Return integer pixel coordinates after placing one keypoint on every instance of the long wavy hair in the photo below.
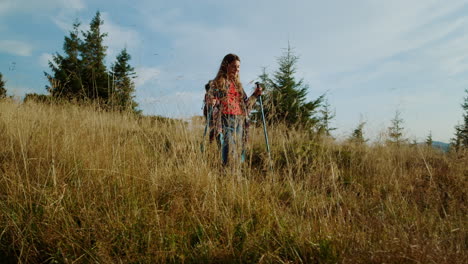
(220, 81)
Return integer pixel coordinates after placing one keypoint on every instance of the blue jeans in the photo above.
(231, 140)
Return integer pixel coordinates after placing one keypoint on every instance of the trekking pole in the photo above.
(265, 129)
(207, 125)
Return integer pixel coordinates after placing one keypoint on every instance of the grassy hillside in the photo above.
(79, 186)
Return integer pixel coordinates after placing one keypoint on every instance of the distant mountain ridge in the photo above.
(441, 145)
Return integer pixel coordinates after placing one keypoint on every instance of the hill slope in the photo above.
(83, 185)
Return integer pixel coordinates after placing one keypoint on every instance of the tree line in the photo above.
(285, 102)
(80, 74)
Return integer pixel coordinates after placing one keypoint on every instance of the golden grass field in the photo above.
(79, 185)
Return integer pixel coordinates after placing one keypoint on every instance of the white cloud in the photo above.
(444, 57)
(456, 64)
(378, 31)
(329, 38)
(146, 75)
(16, 47)
(63, 22)
(175, 105)
(44, 59)
(194, 39)
(119, 37)
(450, 56)
(18, 91)
(150, 100)
(6, 6)
(72, 4)
(28, 6)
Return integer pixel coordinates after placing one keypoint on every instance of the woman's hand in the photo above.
(258, 90)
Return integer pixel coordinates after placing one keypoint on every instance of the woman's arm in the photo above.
(250, 102)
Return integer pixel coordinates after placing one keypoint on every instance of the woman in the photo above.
(230, 108)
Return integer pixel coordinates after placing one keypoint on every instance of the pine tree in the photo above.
(2, 87)
(81, 73)
(464, 129)
(265, 82)
(286, 100)
(461, 130)
(95, 77)
(429, 139)
(456, 142)
(66, 79)
(395, 131)
(123, 86)
(358, 134)
(326, 117)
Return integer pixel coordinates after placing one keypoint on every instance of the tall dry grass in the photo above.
(79, 185)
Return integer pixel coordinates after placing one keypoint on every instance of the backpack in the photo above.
(209, 114)
(205, 105)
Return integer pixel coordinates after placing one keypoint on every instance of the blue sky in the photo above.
(371, 57)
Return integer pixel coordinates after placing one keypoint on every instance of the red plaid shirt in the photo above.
(232, 103)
